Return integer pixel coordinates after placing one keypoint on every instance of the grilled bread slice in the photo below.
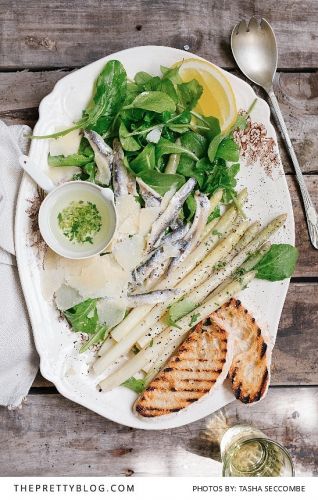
(249, 371)
(200, 361)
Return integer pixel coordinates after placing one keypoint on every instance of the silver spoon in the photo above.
(255, 52)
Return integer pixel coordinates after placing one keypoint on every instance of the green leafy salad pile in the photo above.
(164, 140)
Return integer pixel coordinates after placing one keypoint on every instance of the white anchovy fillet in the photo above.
(103, 155)
(123, 182)
(177, 234)
(149, 195)
(155, 260)
(192, 237)
(154, 297)
(170, 213)
(154, 276)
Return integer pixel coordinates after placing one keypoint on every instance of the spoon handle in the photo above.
(311, 214)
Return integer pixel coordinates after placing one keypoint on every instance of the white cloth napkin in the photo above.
(18, 358)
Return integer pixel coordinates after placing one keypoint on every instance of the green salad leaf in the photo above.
(83, 317)
(135, 384)
(108, 97)
(75, 160)
(228, 150)
(161, 182)
(153, 101)
(180, 309)
(165, 147)
(128, 142)
(278, 263)
(99, 336)
(146, 160)
(189, 93)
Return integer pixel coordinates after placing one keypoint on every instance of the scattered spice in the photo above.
(256, 146)
(36, 239)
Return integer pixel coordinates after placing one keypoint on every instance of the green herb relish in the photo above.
(80, 221)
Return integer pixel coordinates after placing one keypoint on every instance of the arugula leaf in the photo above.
(83, 317)
(85, 148)
(146, 160)
(89, 171)
(153, 101)
(74, 160)
(228, 150)
(222, 177)
(213, 147)
(181, 118)
(214, 126)
(278, 263)
(142, 77)
(135, 384)
(194, 142)
(180, 309)
(194, 318)
(165, 147)
(109, 95)
(171, 74)
(128, 142)
(167, 87)
(188, 168)
(99, 336)
(189, 207)
(189, 93)
(161, 182)
(215, 214)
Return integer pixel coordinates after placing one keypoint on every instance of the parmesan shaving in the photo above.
(147, 216)
(128, 210)
(67, 297)
(111, 312)
(129, 252)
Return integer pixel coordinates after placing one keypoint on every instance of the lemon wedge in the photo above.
(218, 98)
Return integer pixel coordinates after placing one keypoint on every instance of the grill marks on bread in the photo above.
(249, 371)
(189, 374)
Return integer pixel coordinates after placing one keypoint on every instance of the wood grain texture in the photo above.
(21, 93)
(294, 357)
(38, 34)
(61, 438)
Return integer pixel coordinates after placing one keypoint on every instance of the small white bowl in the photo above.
(60, 197)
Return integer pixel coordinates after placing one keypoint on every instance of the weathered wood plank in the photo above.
(21, 93)
(60, 438)
(37, 34)
(307, 265)
(294, 358)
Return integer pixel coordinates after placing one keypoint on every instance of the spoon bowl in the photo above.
(255, 51)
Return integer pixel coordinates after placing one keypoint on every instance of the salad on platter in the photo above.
(158, 306)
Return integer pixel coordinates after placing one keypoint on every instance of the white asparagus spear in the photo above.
(149, 327)
(174, 336)
(223, 225)
(107, 345)
(196, 276)
(198, 294)
(248, 265)
(154, 366)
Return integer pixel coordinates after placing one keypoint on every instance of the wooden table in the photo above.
(43, 41)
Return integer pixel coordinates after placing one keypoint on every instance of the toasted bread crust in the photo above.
(249, 371)
(189, 374)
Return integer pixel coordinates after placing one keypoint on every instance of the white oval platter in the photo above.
(56, 345)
